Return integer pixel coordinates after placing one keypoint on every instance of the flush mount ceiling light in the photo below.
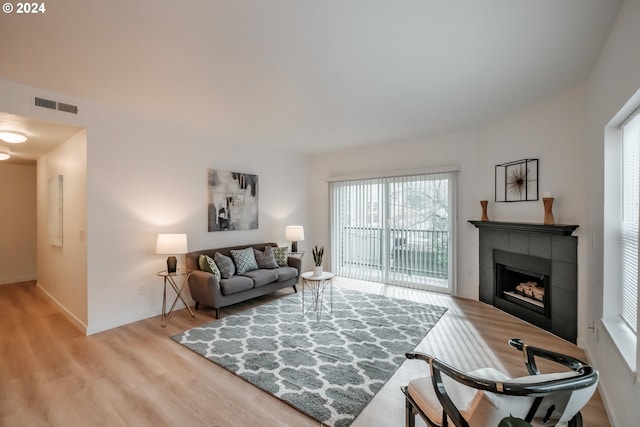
(12, 137)
(4, 155)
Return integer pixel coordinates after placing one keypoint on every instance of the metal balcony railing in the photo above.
(411, 252)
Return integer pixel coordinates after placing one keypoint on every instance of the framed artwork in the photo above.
(517, 181)
(54, 211)
(233, 201)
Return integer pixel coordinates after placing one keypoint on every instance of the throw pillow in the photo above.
(245, 260)
(266, 259)
(225, 264)
(281, 253)
(208, 264)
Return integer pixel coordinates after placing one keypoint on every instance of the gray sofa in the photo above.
(207, 290)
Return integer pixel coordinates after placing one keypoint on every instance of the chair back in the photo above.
(484, 397)
(550, 408)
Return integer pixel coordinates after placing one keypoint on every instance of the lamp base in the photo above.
(294, 247)
(172, 263)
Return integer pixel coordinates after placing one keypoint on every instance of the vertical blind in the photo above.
(395, 230)
(630, 218)
(356, 228)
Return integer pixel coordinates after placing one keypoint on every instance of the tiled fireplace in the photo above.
(530, 271)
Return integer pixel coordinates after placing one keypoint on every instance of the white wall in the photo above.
(17, 223)
(551, 131)
(613, 81)
(62, 271)
(146, 176)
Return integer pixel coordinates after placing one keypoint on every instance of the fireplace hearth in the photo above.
(530, 271)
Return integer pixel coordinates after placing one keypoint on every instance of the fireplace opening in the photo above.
(524, 288)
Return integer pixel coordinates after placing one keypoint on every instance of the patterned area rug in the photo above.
(328, 369)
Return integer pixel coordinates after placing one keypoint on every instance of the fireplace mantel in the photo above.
(560, 229)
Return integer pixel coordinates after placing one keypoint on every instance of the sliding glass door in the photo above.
(396, 230)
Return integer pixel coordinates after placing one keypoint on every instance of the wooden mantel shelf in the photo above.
(561, 229)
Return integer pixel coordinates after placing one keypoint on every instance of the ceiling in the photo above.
(42, 137)
(309, 75)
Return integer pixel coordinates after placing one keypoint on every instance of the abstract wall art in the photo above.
(233, 200)
(517, 181)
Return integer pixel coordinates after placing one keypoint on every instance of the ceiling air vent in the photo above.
(60, 106)
(46, 103)
(68, 108)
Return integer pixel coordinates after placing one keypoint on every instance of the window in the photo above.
(396, 229)
(630, 132)
(622, 231)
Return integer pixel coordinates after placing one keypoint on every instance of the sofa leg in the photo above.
(294, 289)
(217, 313)
(197, 305)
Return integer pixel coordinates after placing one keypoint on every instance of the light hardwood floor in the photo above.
(134, 375)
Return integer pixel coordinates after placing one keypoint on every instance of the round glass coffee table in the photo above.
(317, 287)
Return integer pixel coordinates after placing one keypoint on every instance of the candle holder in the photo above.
(548, 211)
(485, 217)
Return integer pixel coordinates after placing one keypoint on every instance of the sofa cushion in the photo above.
(235, 284)
(207, 264)
(281, 253)
(225, 264)
(266, 259)
(245, 260)
(286, 273)
(261, 277)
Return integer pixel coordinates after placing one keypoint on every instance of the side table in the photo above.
(171, 279)
(317, 286)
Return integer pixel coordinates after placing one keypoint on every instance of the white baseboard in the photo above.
(8, 280)
(112, 323)
(602, 390)
(124, 320)
(69, 315)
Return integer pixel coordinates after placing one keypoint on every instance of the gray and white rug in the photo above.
(328, 369)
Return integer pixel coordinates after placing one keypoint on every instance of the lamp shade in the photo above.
(294, 233)
(171, 244)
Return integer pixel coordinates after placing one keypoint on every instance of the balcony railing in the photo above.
(411, 252)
